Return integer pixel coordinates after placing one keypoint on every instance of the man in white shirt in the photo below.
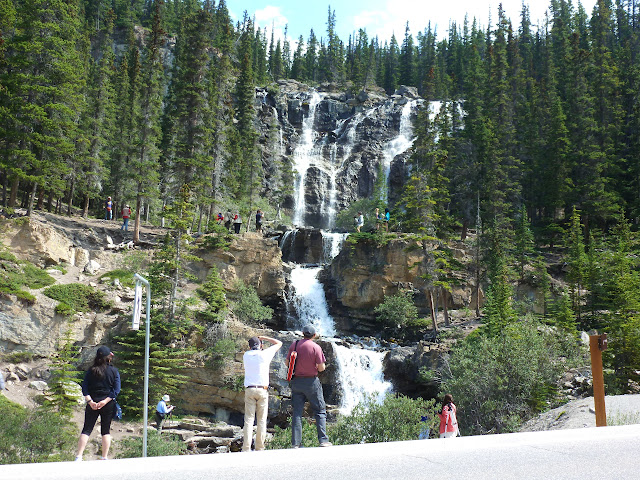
(256, 383)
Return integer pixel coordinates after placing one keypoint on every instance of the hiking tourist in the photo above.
(448, 419)
(237, 223)
(259, 217)
(256, 383)
(305, 385)
(126, 213)
(100, 387)
(162, 410)
(108, 209)
(360, 222)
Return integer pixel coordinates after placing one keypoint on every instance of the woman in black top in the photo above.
(100, 387)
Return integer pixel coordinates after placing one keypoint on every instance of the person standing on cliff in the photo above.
(259, 218)
(256, 363)
(126, 213)
(108, 209)
(237, 223)
(305, 385)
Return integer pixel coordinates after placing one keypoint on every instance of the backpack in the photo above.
(292, 362)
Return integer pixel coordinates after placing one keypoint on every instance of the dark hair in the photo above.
(100, 364)
(448, 399)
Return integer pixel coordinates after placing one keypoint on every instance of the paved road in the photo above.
(580, 454)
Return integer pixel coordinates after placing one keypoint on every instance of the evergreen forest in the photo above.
(536, 149)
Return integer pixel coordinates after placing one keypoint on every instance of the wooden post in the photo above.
(596, 347)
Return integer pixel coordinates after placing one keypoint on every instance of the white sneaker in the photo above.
(78, 459)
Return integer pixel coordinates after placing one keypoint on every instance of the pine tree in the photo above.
(44, 52)
(145, 160)
(165, 365)
(64, 376)
(577, 262)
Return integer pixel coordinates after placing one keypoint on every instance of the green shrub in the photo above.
(248, 306)
(15, 274)
(19, 357)
(499, 382)
(125, 276)
(25, 297)
(157, 446)
(34, 435)
(77, 297)
(282, 436)
(397, 418)
(397, 310)
(222, 351)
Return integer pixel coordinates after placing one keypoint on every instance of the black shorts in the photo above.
(106, 415)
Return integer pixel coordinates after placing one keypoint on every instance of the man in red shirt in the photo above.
(305, 385)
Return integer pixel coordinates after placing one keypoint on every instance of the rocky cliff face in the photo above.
(362, 275)
(336, 143)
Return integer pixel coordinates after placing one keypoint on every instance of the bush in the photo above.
(397, 418)
(157, 446)
(499, 382)
(125, 276)
(19, 357)
(222, 351)
(15, 274)
(248, 306)
(77, 297)
(282, 436)
(398, 310)
(34, 435)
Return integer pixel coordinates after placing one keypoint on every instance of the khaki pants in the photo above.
(256, 402)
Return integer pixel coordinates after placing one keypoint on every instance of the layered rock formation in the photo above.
(345, 151)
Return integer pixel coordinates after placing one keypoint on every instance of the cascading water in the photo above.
(310, 302)
(305, 156)
(332, 244)
(356, 363)
(400, 144)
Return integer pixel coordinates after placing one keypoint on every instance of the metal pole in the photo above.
(145, 411)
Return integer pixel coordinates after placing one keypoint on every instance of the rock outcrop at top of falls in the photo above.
(339, 153)
(363, 274)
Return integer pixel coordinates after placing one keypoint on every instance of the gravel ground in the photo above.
(621, 410)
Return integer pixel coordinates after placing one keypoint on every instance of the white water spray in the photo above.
(361, 376)
(304, 157)
(310, 302)
(400, 144)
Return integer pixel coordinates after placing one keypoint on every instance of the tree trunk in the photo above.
(72, 190)
(50, 201)
(445, 308)
(41, 199)
(13, 196)
(85, 208)
(136, 226)
(32, 197)
(434, 319)
(5, 185)
(174, 287)
(200, 215)
(465, 228)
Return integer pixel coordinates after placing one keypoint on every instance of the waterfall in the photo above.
(304, 157)
(310, 302)
(361, 376)
(400, 144)
(332, 244)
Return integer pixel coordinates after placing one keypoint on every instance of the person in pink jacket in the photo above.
(448, 419)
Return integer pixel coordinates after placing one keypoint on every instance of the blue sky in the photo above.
(379, 17)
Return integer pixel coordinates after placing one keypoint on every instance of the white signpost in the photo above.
(135, 324)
